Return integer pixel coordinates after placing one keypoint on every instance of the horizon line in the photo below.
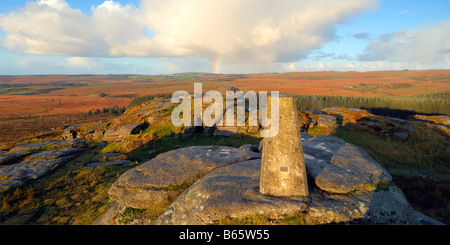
(208, 73)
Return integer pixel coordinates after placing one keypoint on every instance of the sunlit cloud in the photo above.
(240, 31)
(422, 46)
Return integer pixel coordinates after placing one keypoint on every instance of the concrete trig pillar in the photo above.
(283, 171)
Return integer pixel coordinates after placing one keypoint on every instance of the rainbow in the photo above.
(217, 64)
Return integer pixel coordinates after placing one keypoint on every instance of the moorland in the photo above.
(30, 105)
(41, 107)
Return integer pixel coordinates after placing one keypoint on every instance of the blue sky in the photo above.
(170, 36)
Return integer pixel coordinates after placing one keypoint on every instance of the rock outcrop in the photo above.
(14, 157)
(204, 184)
(51, 144)
(438, 119)
(150, 112)
(328, 120)
(231, 191)
(340, 167)
(441, 122)
(32, 147)
(121, 133)
(104, 159)
(70, 133)
(160, 180)
(112, 162)
(21, 164)
(345, 186)
(318, 121)
(349, 115)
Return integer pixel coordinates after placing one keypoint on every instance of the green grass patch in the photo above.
(74, 194)
(295, 219)
(160, 130)
(29, 90)
(70, 194)
(171, 143)
(164, 144)
(420, 166)
(145, 216)
(175, 187)
(426, 148)
(21, 91)
(5, 90)
(130, 214)
(112, 147)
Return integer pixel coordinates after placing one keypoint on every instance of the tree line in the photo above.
(435, 103)
(112, 110)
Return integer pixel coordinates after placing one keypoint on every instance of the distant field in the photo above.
(56, 99)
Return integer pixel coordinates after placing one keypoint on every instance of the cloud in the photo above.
(239, 31)
(292, 67)
(82, 62)
(403, 12)
(361, 66)
(51, 27)
(363, 35)
(57, 4)
(424, 45)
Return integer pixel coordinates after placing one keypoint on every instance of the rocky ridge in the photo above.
(161, 179)
(328, 120)
(34, 160)
(345, 184)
